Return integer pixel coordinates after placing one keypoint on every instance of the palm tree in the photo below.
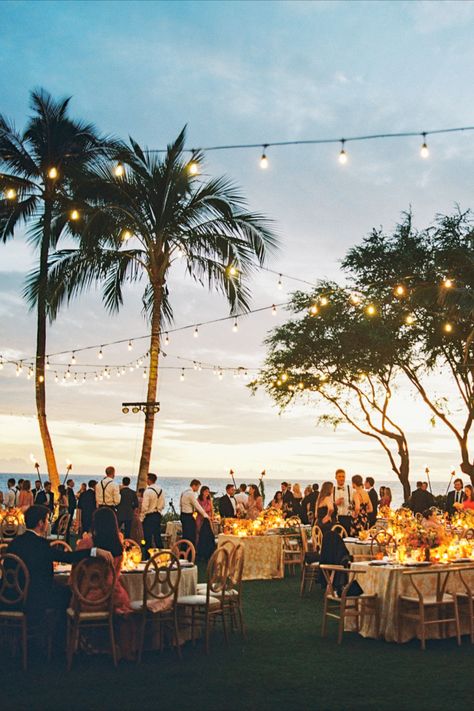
(41, 167)
(168, 211)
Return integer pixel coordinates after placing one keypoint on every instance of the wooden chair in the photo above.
(92, 582)
(381, 542)
(293, 553)
(343, 606)
(233, 592)
(466, 597)
(414, 607)
(160, 594)
(14, 584)
(340, 530)
(3, 548)
(132, 548)
(9, 527)
(309, 570)
(210, 607)
(61, 529)
(61, 544)
(184, 550)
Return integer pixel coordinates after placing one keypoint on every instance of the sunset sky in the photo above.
(239, 72)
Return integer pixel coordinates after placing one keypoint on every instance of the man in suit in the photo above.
(128, 504)
(421, 499)
(71, 505)
(288, 499)
(374, 500)
(342, 495)
(456, 496)
(34, 550)
(87, 505)
(36, 490)
(227, 503)
(46, 497)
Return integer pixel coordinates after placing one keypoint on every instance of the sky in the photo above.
(238, 72)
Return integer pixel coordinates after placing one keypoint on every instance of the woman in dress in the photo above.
(381, 493)
(277, 501)
(325, 511)
(205, 542)
(361, 506)
(386, 500)
(136, 532)
(297, 499)
(468, 502)
(255, 502)
(25, 497)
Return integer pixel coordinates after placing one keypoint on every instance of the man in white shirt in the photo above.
(343, 499)
(153, 504)
(107, 491)
(10, 496)
(189, 504)
(242, 499)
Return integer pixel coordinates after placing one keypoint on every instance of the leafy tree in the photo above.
(136, 225)
(40, 168)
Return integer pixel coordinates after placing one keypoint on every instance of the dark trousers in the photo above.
(189, 527)
(152, 531)
(127, 527)
(346, 521)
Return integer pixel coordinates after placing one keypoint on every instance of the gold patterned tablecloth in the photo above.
(263, 558)
(359, 551)
(389, 582)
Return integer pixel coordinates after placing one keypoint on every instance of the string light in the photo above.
(84, 377)
(56, 379)
(232, 271)
(371, 310)
(10, 194)
(355, 299)
(73, 358)
(193, 167)
(68, 373)
(448, 327)
(448, 283)
(399, 290)
(1, 362)
(126, 235)
(221, 374)
(130, 345)
(53, 173)
(47, 364)
(196, 332)
(167, 339)
(274, 310)
(324, 301)
(410, 319)
(74, 215)
(313, 310)
(41, 379)
(424, 151)
(280, 283)
(181, 377)
(119, 170)
(342, 153)
(144, 374)
(264, 159)
(235, 327)
(284, 377)
(100, 355)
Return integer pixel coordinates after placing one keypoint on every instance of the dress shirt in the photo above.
(10, 498)
(153, 501)
(342, 492)
(107, 492)
(189, 503)
(458, 496)
(242, 501)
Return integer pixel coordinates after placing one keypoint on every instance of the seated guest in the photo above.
(46, 497)
(456, 496)
(277, 501)
(361, 506)
(374, 499)
(205, 537)
(386, 500)
(25, 497)
(34, 550)
(255, 503)
(430, 520)
(297, 499)
(325, 509)
(420, 499)
(227, 503)
(468, 502)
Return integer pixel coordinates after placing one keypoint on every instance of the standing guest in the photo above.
(107, 492)
(342, 500)
(71, 498)
(430, 494)
(374, 500)
(137, 528)
(128, 504)
(297, 499)
(255, 506)
(277, 501)
(19, 487)
(63, 505)
(188, 505)
(287, 498)
(325, 509)
(87, 506)
(304, 505)
(205, 537)
(82, 489)
(420, 499)
(152, 505)
(361, 507)
(25, 497)
(36, 490)
(468, 502)
(10, 496)
(46, 497)
(227, 503)
(308, 505)
(242, 499)
(456, 496)
(387, 497)
(381, 493)
(38, 556)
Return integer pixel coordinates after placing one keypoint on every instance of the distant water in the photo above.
(173, 486)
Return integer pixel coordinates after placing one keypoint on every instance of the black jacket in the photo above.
(87, 506)
(288, 502)
(38, 557)
(374, 500)
(450, 501)
(226, 509)
(41, 500)
(420, 500)
(71, 501)
(128, 503)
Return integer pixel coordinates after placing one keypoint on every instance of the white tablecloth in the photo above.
(173, 532)
(263, 557)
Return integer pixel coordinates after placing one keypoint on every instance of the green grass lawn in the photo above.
(282, 663)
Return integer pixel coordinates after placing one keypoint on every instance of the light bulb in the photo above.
(1, 362)
(264, 160)
(221, 374)
(181, 377)
(68, 373)
(196, 332)
(424, 151)
(96, 378)
(131, 368)
(144, 373)
(56, 379)
(74, 215)
(284, 377)
(232, 271)
(84, 378)
(448, 327)
(193, 167)
(100, 355)
(235, 327)
(313, 310)
(355, 299)
(124, 370)
(342, 154)
(53, 173)
(324, 301)
(73, 359)
(371, 310)
(126, 235)
(167, 340)
(41, 379)
(410, 319)
(10, 194)
(274, 310)
(448, 283)
(47, 364)
(119, 170)
(400, 290)
(280, 283)
(130, 345)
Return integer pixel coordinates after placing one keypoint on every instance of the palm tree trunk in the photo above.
(40, 383)
(152, 388)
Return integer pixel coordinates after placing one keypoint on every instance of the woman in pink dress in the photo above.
(25, 497)
(255, 502)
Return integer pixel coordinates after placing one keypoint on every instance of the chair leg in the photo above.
(303, 581)
(324, 624)
(422, 627)
(24, 643)
(176, 634)
(342, 612)
(112, 640)
(456, 617)
(224, 626)
(193, 639)
(241, 618)
(207, 621)
(141, 638)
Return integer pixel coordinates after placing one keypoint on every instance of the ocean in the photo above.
(173, 486)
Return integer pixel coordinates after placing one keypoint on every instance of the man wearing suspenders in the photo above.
(152, 505)
(107, 492)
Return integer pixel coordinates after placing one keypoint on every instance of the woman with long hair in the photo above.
(325, 511)
(205, 542)
(361, 506)
(25, 497)
(386, 499)
(468, 502)
(297, 499)
(255, 502)
(277, 501)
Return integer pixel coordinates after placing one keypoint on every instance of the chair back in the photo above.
(161, 578)
(442, 578)
(93, 582)
(236, 566)
(9, 526)
(381, 541)
(63, 523)
(61, 544)
(340, 530)
(316, 538)
(3, 548)
(340, 576)
(132, 549)
(14, 581)
(217, 573)
(184, 550)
